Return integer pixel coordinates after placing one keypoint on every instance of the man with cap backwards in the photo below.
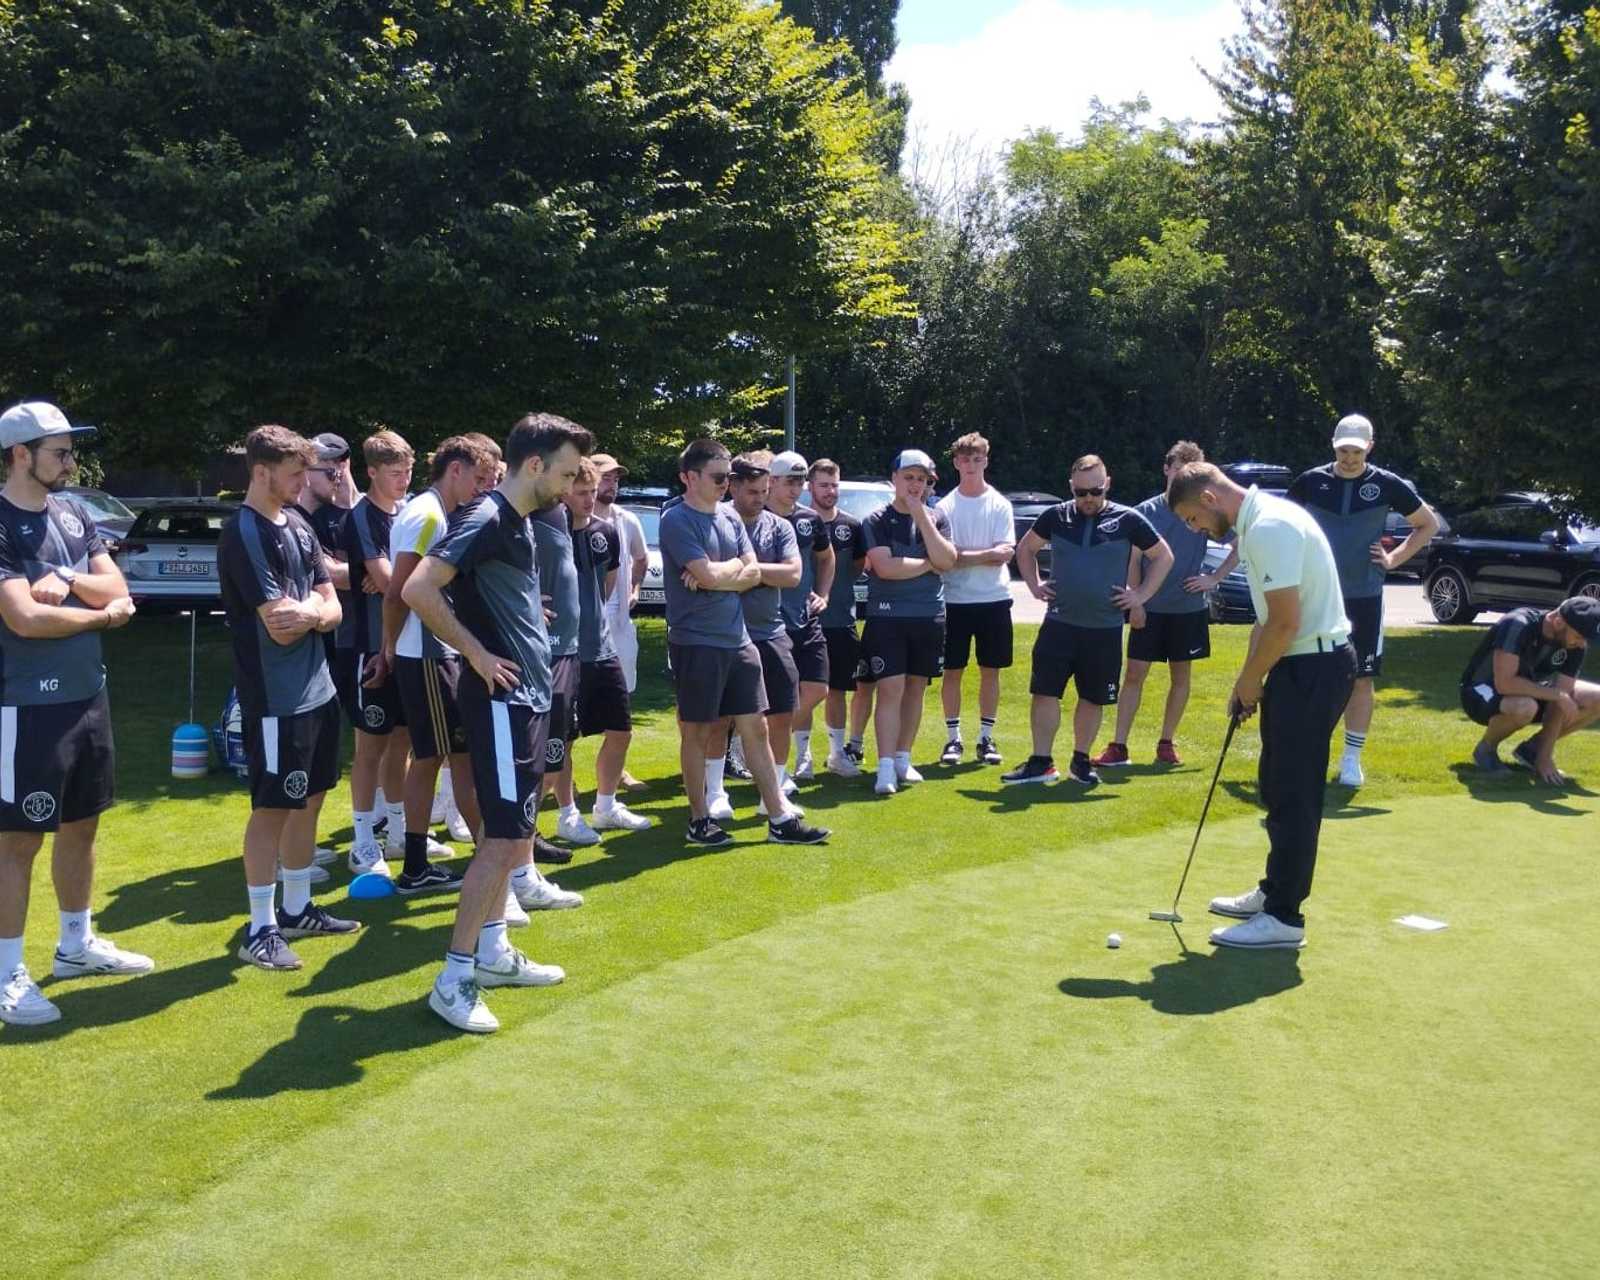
(58, 586)
(1351, 499)
(1299, 671)
(908, 551)
(1092, 541)
(805, 602)
(1526, 672)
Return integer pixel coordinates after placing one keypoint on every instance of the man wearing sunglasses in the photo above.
(1092, 542)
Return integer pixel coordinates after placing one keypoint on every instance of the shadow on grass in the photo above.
(1199, 982)
(1520, 788)
(185, 895)
(1422, 668)
(87, 1004)
(1036, 795)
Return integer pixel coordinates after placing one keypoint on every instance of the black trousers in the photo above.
(1302, 700)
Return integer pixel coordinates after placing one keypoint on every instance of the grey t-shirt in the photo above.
(845, 531)
(711, 618)
(1352, 513)
(772, 538)
(597, 552)
(1089, 559)
(32, 543)
(811, 536)
(558, 577)
(919, 597)
(1188, 558)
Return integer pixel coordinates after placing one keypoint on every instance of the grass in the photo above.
(907, 1053)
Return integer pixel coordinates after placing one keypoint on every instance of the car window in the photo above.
(179, 524)
(102, 505)
(861, 503)
(650, 520)
(1522, 522)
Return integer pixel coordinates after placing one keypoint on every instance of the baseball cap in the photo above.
(913, 458)
(787, 463)
(744, 469)
(1582, 614)
(35, 420)
(330, 448)
(1353, 429)
(604, 462)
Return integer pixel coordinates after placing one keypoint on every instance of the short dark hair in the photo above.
(699, 452)
(468, 449)
(544, 434)
(1182, 452)
(752, 465)
(1088, 462)
(1189, 480)
(823, 466)
(271, 444)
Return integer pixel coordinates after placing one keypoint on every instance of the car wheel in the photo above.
(1587, 587)
(1447, 597)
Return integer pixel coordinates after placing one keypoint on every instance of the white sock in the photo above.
(886, 767)
(492, 941)
(783, 775)
(604, 802)
(952, 730)
(902, 761)
(261, 914)
(296, 890)
(76, 933)
(569, 812)
(10, 955)
(802, 745)
(397, 822)
(714, 773)
(363, 824)
(379, 800)
(525, 875)
(457, 966)
(836, 740)
(445, 788)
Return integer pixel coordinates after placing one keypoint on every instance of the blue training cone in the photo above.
(369, 884)
(191, 751)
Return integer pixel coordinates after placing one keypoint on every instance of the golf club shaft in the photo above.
(1227, 740)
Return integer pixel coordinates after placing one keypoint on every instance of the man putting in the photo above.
(908, 550)
(1351, 499)
(977, 596)
(805, 602)
(58, 588)
(1299, 671)
(494, 619)
(1526, 672)
(839, 621)
(1092, 541)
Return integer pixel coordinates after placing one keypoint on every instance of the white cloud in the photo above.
(1039, 65)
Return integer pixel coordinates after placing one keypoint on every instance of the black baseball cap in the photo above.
(1582, 614)
(330, 448)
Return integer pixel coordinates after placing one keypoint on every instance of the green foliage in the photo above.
(867, 26)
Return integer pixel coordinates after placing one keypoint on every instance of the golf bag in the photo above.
(228, 737)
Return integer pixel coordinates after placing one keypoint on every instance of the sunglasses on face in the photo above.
(1095, 492)
(716, 477)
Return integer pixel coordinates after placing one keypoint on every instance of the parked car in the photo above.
(1231, 602)
(1270, 476)
(112, 518)
(1396, 529)
(643, 495)
(1520, 549)
(1027, 505)
(170, 554)
(652, 591)
(861, 498)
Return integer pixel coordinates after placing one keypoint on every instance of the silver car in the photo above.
(170, 554)
(652, 591)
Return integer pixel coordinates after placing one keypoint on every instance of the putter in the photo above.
(1172, 917)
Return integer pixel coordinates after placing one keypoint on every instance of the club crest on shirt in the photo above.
(1558, 658)
(555, 751)
(841, 533)
(1111, 526)
(308, 544)
(1369, 492)
(374, 716)
(597, 542)
(803, 528)
(70, 522)
(39, 806)
(296, 784)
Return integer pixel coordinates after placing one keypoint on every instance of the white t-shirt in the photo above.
(631, 535)
(417, 527)
(1282, 545)
(976, 524)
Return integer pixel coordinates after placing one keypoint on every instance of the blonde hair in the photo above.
(383, 448)
(972, 442)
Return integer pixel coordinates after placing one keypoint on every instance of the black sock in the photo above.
(416, 854)
(1080, 757)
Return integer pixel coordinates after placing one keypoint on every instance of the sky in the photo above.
(984, 71)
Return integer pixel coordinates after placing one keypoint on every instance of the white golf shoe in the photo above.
(539, 894)
(515, 916)
(1242, 907)
(513, 969)
(842, 765)
(461, 1005)
(574, 830)
(22, 1003)
(805, 768)
(620, 818)
(719, 808)
(1260, 932)
(363, 858)
(100, 957)
(1350, 774)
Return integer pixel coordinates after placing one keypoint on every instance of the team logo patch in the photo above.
(296, 785)
(374, 716)
(841, 533)
(1558, 658)
(1369, 492)
(1111, 526)
(555, 751)
(39, 806)
(307, 542)
(597, 542)
(528, 806)
(877, 666)
(71, 523)
(803, 528)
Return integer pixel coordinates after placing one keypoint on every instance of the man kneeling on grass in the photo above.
(1526, 672)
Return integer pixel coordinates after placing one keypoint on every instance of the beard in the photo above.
(62, 480)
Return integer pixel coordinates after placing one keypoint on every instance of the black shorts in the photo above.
(1171, 637)
(779, 677)
(57, 763)
(563, 726)
(1091, 657)
(603, 702)
(903, 647)
(986, 627)
(714, 683)
(292, 757)
(1366, 633)
(811, 657)
(375, 711)
(844, 655)
(507, 742)
(428, 697)
(1482, 704)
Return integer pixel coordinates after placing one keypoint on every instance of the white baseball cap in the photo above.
(35, 420)
(785, 464)
(1353, 429)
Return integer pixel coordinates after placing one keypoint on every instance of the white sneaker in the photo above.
(319, 875)
(363, 858)
(396, 849)
(455, 824)
(790, 786)
(513, 969)
(620, 818)
(789, 810)
(545, 895)
(719, 808)
(842, 765)
(804, 769)
(1350, 774)
(100, 956)
(885, 785)
(515, 916)
(22, 1003)
(1242, 907)
(907, 774)
(1260, 932)
(463, 1007)
(323, 857)
(575, 830)
(436, 812)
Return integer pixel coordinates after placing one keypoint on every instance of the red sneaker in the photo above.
(1166, 753)
(1115, 753)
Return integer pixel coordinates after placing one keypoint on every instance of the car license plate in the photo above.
(652, 595)
(185, 569)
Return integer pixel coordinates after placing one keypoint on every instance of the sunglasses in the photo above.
(1095, 492)
(716, 477)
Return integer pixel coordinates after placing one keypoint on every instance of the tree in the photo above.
(867, 26)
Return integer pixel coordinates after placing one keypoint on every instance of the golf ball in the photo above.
(1113, 940)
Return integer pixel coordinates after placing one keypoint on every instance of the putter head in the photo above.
(1167, 917)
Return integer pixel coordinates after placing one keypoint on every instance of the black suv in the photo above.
(1520, 549)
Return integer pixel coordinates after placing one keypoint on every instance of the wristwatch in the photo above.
(69, 576)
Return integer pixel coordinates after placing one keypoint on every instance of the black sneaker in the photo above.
(987, 751)
(734, 768)
(1525, 755)
(706, 833)
(951, 753)
(793, 830)
(1033, 769)
(1081, 771)
(313, 922)
(431, 879)
(853, 752)
(266, 949)
(549, 853)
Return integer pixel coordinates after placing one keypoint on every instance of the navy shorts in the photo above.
(292, 757)
(1366, 633)
(1171, 637)
(57, 763)
(811, 653)
(508, 745)
(375, 711)
(1090, 657)
(428, 695)
(844, 655)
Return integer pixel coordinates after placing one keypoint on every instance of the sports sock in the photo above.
(363, 825)
(715, 770)
(783, 775)
(886, 766)
(416, 853)
(1353, 742)
(491, 941)
(10, 955)
(605, 802)
(569, 812)
(296, 890)
(836, 740)
(986, 729)
(1080, 757)
(952, 730)
(802, 746)
(76, 932)
(397, 819)
(524, 876)
(261, 913)
(902, 761)
(445, 787)
(856, 740)
(458, 966)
